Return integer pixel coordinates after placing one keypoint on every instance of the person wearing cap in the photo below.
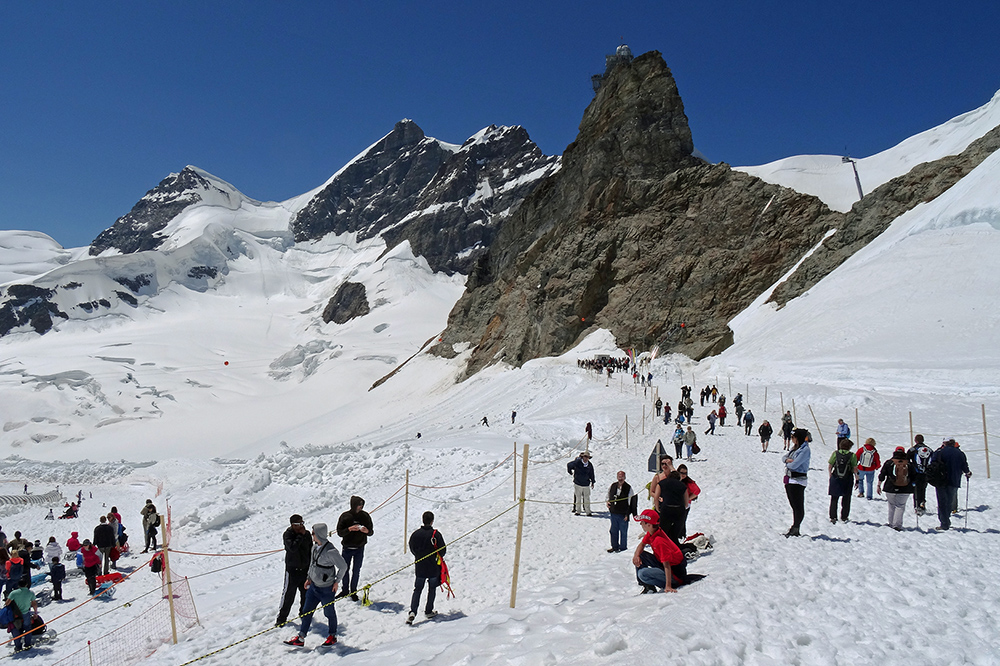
(897, 476)
(583, 480)
(868, 463)
(622, 503)
(354, 527)
(326, 570)
(659, 568)
(298, 547)
(955, 464)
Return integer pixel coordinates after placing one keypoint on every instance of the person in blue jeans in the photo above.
(955, 465)
(354, 527)
(427, 546)
(28, 606)
(326, 570)
(622, 503)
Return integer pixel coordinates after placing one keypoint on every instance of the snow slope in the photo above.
(830, 179)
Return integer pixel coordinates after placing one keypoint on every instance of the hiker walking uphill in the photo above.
(690, 442)
(868, 463)
(796, 477)
(748, 422)
(712, 418)
(765, 431)
(897, 475)
(298, 547)
(843, 470)
(326, 569)
(428, 548)
(583, 480)
(945, 473)
(354, 527)
(786, 430)
(920, 454)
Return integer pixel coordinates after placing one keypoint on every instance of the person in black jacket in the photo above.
(426, 544)
(622, 503)
(105, 539)
(583, 480)
(354, 527)
(298, 547)
(57, 574)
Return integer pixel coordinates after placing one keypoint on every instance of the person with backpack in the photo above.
(659, 406)
(354, 527)
(690, 442)
(326, 570)
(14, 568)
(748, 420)
(843, 470)
(796, 478)
(843, 432)
(920, 454)
(428, 548)
(105, 538)
(722, 413)
(868, 463)
(944, 472)
(27, 605)
(897, 476)
(712, 418)
(765, 431)
(678, 441)
(786, 430)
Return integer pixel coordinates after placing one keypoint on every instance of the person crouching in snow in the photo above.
(665, 566)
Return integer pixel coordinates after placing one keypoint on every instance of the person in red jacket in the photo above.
(722, 415)
(868, 463)
(665, 566)
(91, 564)
(73, 542)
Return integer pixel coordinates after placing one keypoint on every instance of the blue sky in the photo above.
(100, 101)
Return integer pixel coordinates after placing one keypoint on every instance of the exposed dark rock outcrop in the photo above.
(633, 234)
(876, 211)
(28, 304)
(350, 301)
(138, 230)
(446, 201)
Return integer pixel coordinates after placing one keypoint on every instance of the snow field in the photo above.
(845, 593)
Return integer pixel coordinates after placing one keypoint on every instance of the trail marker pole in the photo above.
(626, 431)
(170, 582)
(520, 527)
(857, 426)
(795, 418)
(643, 432)
(986, 442)
(515, 471)
(781, 396)
(821, 438)
(730, 380)
(406, 510)
(765, 399)
(911, 425)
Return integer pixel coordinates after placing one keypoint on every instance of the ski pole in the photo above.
(967, 479)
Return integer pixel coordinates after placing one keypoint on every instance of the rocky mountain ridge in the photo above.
(637, 236)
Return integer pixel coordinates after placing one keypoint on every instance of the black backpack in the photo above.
(842, 465)
(937, 473)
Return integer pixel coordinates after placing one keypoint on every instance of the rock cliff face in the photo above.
(446, 200)
(634, 235)
(138, 230)
(350, 301)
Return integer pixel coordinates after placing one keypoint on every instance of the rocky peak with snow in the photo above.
(140, 228)
(446, 200)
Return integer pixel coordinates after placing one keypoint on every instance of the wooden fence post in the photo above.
(857, 427)
(818, 429)
(765, 399)
(520, 528)
(986, 442)
(406, 511)
(911, 426)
